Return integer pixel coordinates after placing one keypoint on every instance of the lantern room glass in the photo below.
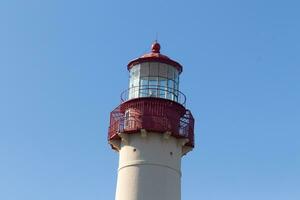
(153, 79)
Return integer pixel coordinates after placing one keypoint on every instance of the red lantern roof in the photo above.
(155, 56)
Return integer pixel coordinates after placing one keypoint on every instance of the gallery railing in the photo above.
(158, 121)
(153, 91)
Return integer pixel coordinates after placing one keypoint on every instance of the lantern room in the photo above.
(154, 75)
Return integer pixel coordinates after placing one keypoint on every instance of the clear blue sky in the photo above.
(63, 67)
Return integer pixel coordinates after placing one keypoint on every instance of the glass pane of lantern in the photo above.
(175, 85)
(163, 70)
(153, 83)
(136, 70)
(171, 72)
(130, 83)
(176, 76)
(130, 78)
(135, 81)
(144, 69)
(162, 87)
(136, 92)
(176, 92)
(170, 94)
(153, 69)
(144, 88)
(170, 85)
(144, 81)
(134, 75)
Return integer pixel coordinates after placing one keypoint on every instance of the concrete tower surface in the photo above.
(151, 129)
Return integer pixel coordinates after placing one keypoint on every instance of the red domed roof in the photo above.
(155, 56)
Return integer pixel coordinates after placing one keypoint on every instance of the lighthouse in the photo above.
(151, 130)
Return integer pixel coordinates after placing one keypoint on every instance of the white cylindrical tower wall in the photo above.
(149, 167)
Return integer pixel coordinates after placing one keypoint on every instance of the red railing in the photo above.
(152, 114)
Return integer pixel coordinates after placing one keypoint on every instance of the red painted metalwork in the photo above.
(155, 48)
(155, 56)
(152, 114)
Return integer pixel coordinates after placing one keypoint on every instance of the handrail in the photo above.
(153, 91)
(158, 121)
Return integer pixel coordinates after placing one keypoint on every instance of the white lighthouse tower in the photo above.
(151, 129)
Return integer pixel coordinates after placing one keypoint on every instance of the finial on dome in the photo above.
(155, 48)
